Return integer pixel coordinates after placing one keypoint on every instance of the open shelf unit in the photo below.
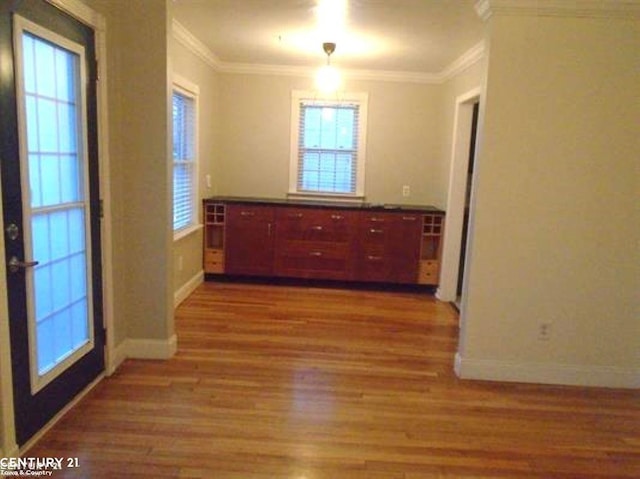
(430, 250)
(214, 221)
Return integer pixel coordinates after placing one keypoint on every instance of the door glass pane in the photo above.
(57, 204)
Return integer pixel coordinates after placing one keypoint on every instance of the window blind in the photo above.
(328, 147)
(183, 160)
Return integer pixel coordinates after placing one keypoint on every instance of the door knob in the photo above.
(13, 231)
(16, 265)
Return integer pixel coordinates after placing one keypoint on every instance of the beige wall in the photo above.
(138, 89)
(555, 215)
(404, 145)
(195, 70)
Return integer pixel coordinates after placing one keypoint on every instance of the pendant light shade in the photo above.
(328, 77)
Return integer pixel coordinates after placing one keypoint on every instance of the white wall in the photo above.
(555, 209)
(404, 139)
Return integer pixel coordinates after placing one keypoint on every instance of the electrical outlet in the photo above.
(406, 191)
(544, 331)
(180, 264)
(208, 179)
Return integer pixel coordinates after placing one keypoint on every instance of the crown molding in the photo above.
(307, 72)
(82, 12)
(620, 9)
(187, 39)
(394, 76)
(265, 69)
(467, 59)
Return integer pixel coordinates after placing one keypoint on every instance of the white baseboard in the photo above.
(186, 289)
(545, 373)
(142, 349)
(442, 295)
(117, 357)
(151, 348)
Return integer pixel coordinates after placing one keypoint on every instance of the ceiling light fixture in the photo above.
(328, 77)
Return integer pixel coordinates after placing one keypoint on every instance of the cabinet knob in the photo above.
(337, 217)
(409, 218)
(315, 254)
(295, 215)
(247, 213)
(374, 258)
(375, 231)
(317, 228)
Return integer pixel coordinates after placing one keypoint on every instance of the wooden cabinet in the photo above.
(301, 241)
(250, 239)
(388, 247)
(314, 243)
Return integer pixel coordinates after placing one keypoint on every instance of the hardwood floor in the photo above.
(308, 383)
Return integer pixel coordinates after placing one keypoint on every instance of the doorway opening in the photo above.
(467, 203)
(465, 136)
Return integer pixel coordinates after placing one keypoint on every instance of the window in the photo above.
(185, 156)
(328, 143)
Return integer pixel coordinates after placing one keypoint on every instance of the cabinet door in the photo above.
(404, 247)
(249, 242)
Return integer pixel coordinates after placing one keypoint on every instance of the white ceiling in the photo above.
(421, 36)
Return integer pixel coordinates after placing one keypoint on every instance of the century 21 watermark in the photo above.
(35, 466)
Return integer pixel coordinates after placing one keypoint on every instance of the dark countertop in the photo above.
(324, 204)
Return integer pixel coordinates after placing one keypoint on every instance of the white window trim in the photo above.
(186, 231)
(191, 90)
(362, 99)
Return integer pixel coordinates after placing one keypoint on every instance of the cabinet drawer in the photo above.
(249, 213)
(376, 234)
(308, 224)
(315, 259)
(374, 266)
(213, 255)
(428, 272)
(314, 249)
(213, 261)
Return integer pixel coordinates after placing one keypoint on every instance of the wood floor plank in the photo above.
(314, 383)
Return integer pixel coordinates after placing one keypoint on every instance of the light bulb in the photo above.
(328, 79)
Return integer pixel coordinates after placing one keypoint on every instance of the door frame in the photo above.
(463, 119)
(8, 445)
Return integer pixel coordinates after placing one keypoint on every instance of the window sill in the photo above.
(326, 197)
(184, 232)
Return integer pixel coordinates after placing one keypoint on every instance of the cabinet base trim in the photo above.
(546, 373)
(321, 283)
